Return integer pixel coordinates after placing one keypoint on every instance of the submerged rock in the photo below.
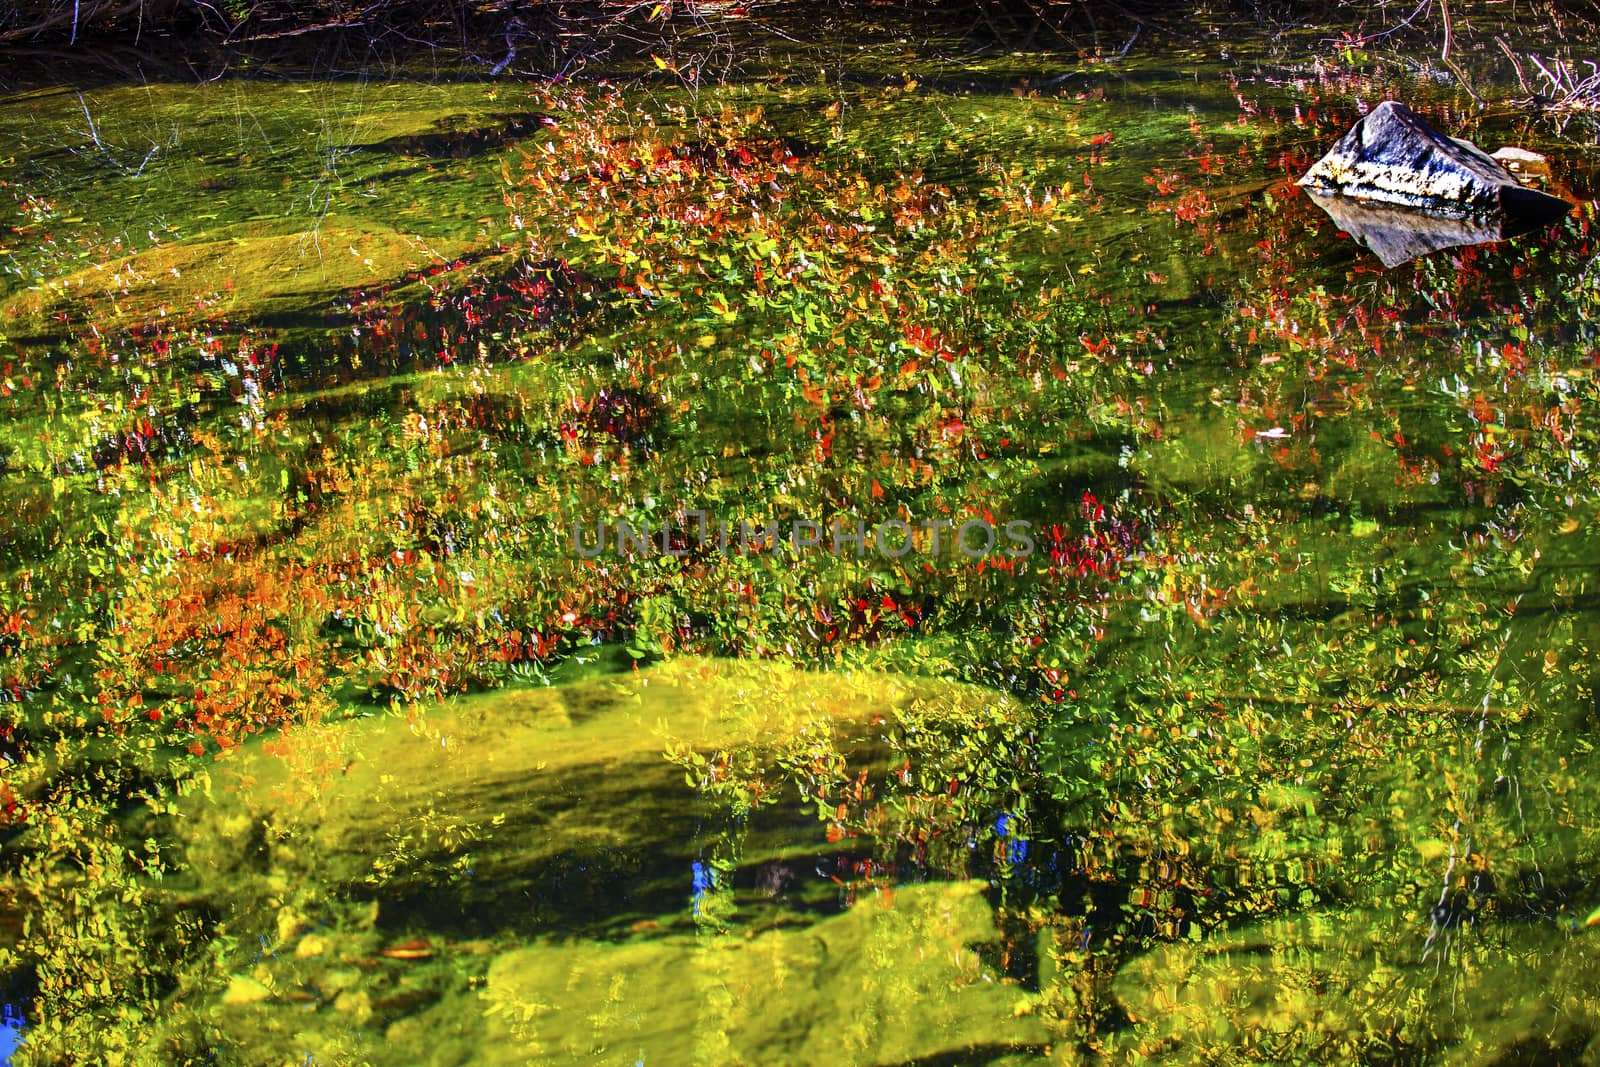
(245, 990)
(571, 816)
(1523, 163)
(879, 984)
(545, 894)
(1404, 189)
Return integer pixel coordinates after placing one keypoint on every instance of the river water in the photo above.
(890, 558)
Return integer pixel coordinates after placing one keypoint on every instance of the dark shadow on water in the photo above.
(977, 1055)
(611, 890)
(450, 143)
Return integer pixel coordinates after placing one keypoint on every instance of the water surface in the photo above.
(328, 744)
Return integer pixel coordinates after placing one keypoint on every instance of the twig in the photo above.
(1565, 88)
(94, 134)
(1444, 54)
(1126, 48)
(148, 156)
(1555, 82)
(1515, 63)
(1057, 80)
(511, 47)
(351, 21)
(1405, 23)
(65, 17)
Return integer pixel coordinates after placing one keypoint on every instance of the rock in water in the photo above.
(1523, 163)
(1404, 189)
(1394, 157)
(875, 985)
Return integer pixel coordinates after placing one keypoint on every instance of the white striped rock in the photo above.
(1393, 157)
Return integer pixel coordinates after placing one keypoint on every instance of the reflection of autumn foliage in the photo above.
(450, 313)
(624, 416)
(887, 369)
(229, 645)
(1458, 321)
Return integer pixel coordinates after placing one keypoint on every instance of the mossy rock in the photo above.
(893, 980)
(251, 269)
(527, 782)
(404, 877)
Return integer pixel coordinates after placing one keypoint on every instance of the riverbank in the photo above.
(702, 41)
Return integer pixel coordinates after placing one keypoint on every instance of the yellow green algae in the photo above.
(251, 268)
(1332, 985)
(237, 200)
(893, 980)
(499, 790)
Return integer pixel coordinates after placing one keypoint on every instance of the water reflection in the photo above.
(1301, 596)
(11, 1028)
(1404, 189)
(1397, 234)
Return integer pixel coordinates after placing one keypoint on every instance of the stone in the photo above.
(890, 981)
(1404, 189)
(354, 1003)
(309, 946)
(1394, 157)
(565, 788)
(290, 923)
(1338, 985)
(332, 983)
(1523, 163)
(575, 776)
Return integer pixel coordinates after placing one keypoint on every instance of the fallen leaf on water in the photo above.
(419, 948)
